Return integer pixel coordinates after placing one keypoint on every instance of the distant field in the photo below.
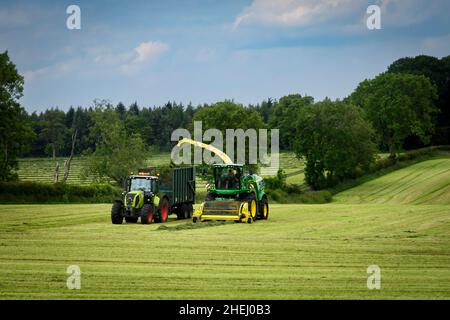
(426, 182)
(42, 169)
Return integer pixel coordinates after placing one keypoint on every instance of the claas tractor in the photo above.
(153, 194)
(234, 195)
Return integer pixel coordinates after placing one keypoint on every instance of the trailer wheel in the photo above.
(116, 213)
(181, 212)
(131, 219)
(164, 210)
(264, 209)
(190, 210)
(147, 213)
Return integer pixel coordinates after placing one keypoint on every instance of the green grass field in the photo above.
(427, 182)
(301, 252)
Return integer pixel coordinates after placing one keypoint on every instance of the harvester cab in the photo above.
(233, 194)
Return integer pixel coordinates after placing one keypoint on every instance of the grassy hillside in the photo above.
(427, 182)
(303, 251)
(42, 169)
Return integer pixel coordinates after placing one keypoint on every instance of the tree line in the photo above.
(405, 107)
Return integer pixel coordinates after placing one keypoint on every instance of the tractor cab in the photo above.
(140, 189)
(230, 180)
(227, 177)
(142, 183)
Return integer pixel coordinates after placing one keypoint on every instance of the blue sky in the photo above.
(203, 51)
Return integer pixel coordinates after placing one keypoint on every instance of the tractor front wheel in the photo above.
(252, 206)
(264, 209)
(116, 213)
(147, 213)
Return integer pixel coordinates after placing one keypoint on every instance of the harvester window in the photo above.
(227, 178)
(141, 184)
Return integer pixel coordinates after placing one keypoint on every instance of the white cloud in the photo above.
(53, 71)
(149, 50)
(129, 61)
(292, 12)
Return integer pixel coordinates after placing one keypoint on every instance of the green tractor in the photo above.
(152, 195)
(233, 195)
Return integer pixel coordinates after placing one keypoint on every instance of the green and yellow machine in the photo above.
(233, 193)
(153, 194)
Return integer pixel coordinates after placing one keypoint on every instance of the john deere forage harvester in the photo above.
(232, 193)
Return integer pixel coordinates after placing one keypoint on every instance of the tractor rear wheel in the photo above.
(116, 213)
(264, 209)
(164, 210)
(147, 213)
(131, 219)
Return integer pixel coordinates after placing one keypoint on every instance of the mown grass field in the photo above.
(302, 252)
(427, 182)
(400, 222)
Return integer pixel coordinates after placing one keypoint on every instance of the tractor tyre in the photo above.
(116, 213)
(252, 206)
(264, 209)
(131, 219)
(164, 211)
(147, 213)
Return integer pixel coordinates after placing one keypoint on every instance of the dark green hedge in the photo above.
(33, 192)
